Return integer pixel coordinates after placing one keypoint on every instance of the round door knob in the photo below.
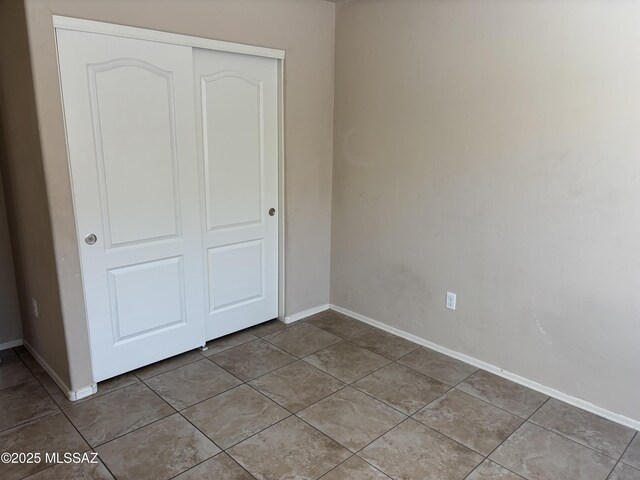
(272, 212)
(90, 239)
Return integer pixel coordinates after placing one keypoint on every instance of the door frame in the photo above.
(92, 26)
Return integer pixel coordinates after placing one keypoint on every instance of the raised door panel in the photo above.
(243, 265)
(232, 123)
(147, 298)
(134, 128)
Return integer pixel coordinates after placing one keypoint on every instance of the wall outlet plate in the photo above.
(451, 301)
(34, 304)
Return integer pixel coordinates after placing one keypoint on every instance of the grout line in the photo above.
(210, 458)
(295, 414)
(171, 369)
(32, 419)
(525, 419)
(489, 460)
(637, 434)
(335, 467)
(60, 410)
(138, 428)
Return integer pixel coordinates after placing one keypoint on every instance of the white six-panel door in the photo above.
(237, 112)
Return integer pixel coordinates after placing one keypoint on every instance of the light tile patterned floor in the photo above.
(329, 397)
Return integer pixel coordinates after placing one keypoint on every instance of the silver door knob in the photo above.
(90, 239)
(272, 212)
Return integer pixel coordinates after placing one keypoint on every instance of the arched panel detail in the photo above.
(133, 111)
(233, 146)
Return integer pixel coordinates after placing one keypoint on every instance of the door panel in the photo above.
(232, 124)
(236, 274)
(132, 107)
(134, 289)
(237, 112)
(130, 118)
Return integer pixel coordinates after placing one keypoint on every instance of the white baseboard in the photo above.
(576, 402)
(15, 343)
(305, 313)
(71, 394)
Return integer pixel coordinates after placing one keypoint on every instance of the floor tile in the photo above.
(220, 467)
(32, 364)
(24, 402)
(234, 415)
(351, 418)
(401, 387)
(536, 453)
(104, 388)
(228, 341)
(355, 469)
(583, 427)
(503, 393)
(192, 383)
(267, 328)
(338, 324)
(624, 472)
(56, 394)
(253, 359)
(632, 455)
(8, 353)
(347, 361)
(74, 471)
(302, 339)
(116, 383)
(297, 385)
(489, 470)
(110, 416)
(53, 433)
(470, 421)
(167, 365)
(158, 451)
(383, 343)
(436, 365)
(412, 451)
(13, 372)
(289, 449)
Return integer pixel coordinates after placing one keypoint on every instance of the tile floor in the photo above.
(329, 397)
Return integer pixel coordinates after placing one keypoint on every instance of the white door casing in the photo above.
(130, 122)
(237, 125)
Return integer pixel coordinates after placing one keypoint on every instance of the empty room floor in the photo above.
(328, 397)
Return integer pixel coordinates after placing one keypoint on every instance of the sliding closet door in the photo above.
(130, 117)
(237, 110)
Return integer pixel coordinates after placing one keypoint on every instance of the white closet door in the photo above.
(237, 106)
(130, 117)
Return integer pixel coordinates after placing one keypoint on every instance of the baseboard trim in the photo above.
(576, 402)
(15, 343)
(305, 313)
(72, 395)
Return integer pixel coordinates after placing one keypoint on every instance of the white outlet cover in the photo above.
(34, 304)
(451, 301)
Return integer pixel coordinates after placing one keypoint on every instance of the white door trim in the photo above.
(92, 26)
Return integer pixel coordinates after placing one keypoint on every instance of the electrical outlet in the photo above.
(34, 304)
(451, 301)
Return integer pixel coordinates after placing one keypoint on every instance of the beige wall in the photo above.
(25, 191)
(305, 29)
(10, 324)
(492, 149)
